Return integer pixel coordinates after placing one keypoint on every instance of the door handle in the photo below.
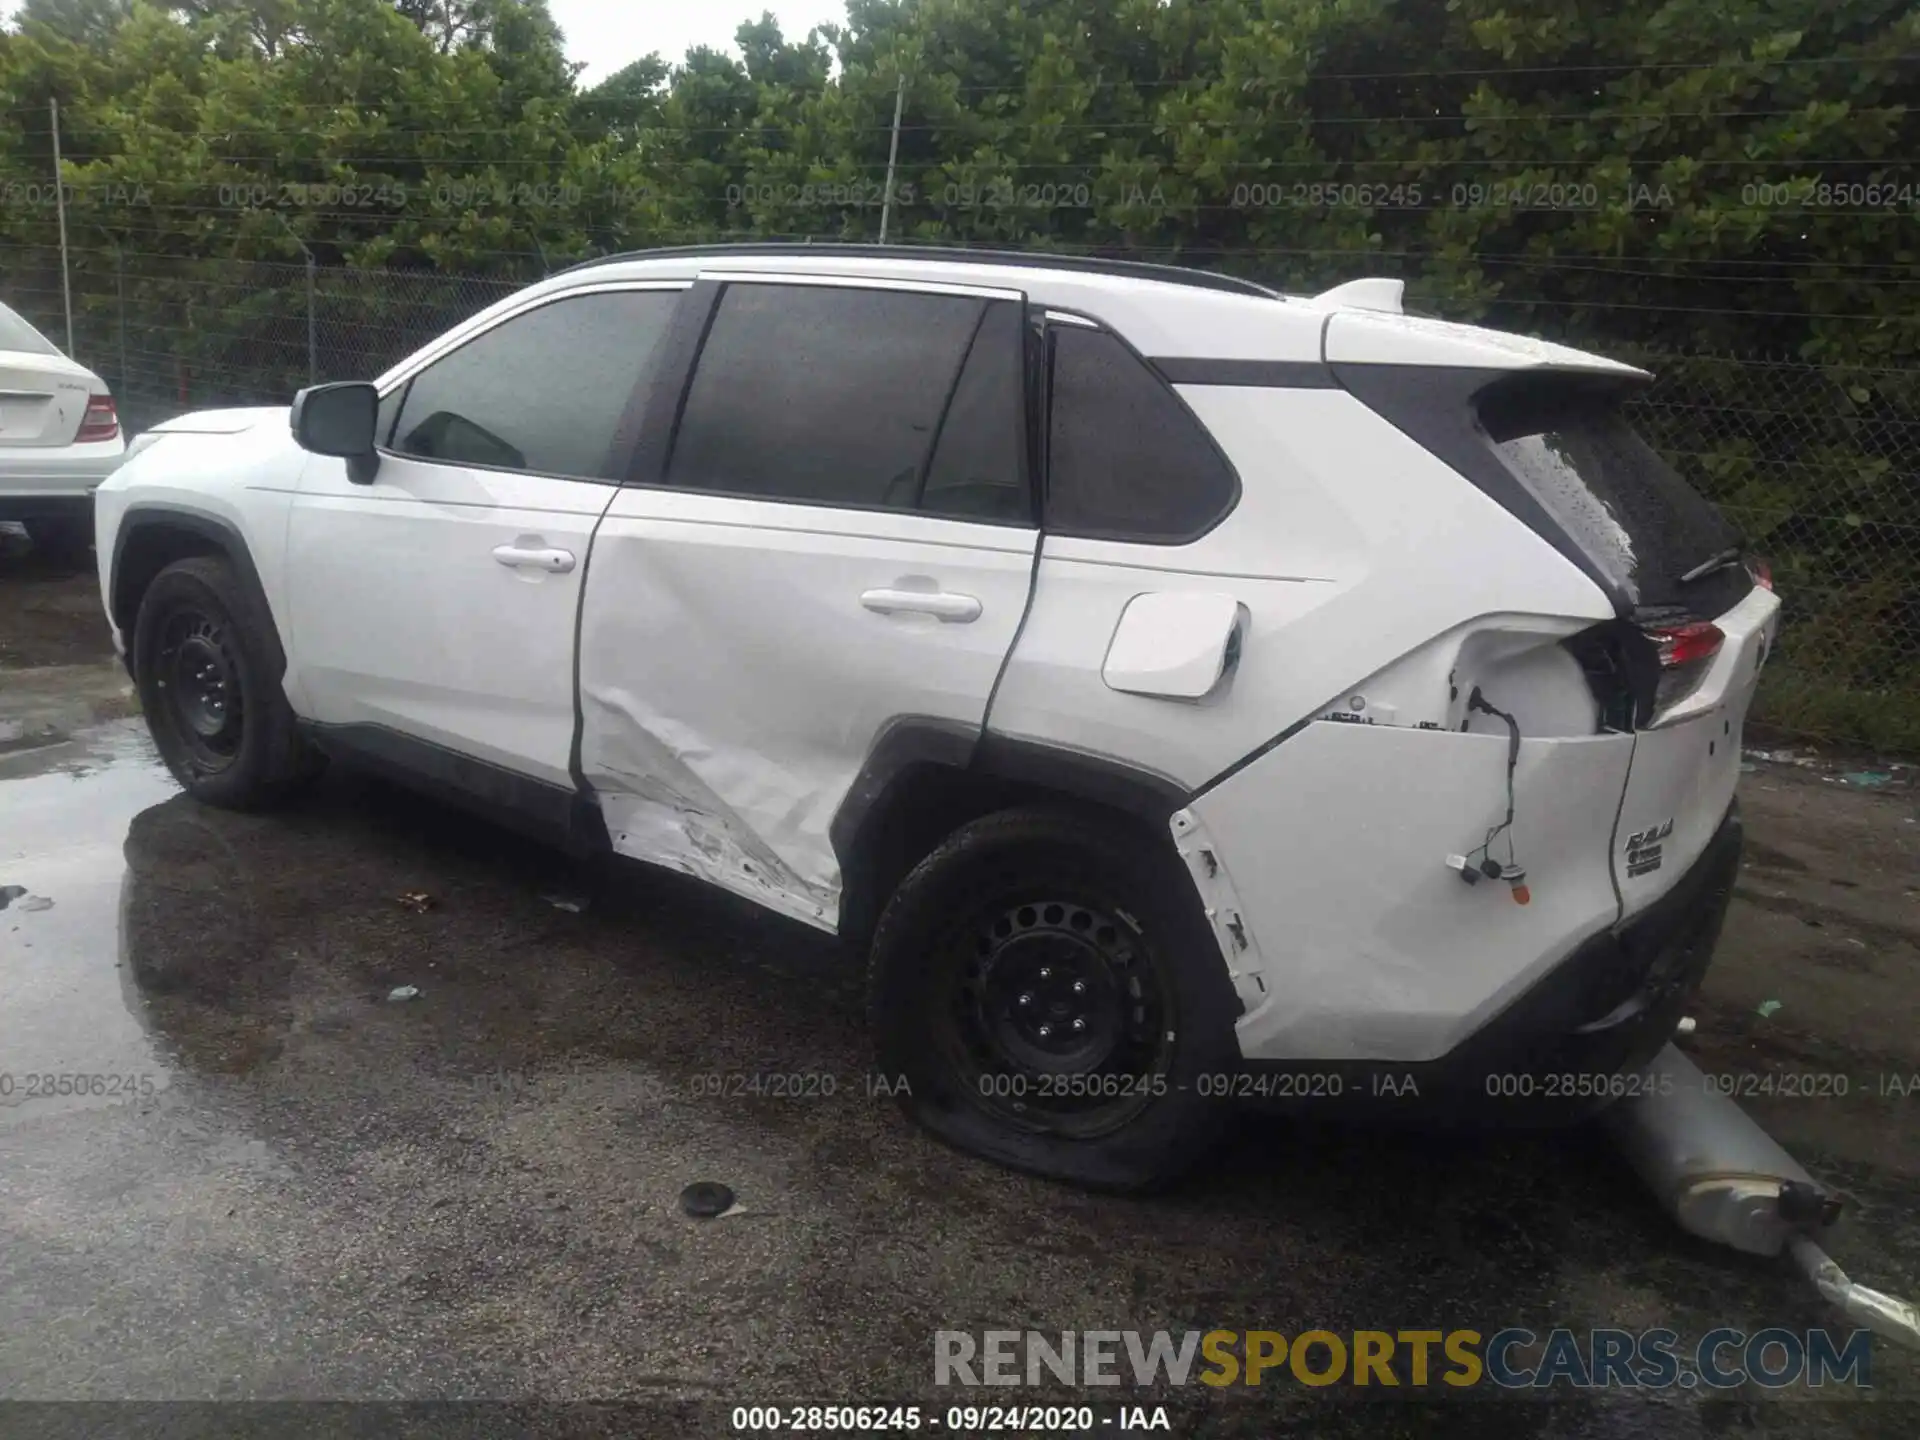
(523, 557)
(943, 604)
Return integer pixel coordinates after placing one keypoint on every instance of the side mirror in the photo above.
(339, 420)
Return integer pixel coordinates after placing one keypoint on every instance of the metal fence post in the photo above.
(60, 205)
(313, 344)
(120, 310)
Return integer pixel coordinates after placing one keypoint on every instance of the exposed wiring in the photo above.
(1477, 701)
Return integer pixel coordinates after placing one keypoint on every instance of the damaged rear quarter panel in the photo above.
(1369, 946)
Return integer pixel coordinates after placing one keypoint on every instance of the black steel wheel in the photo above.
(1054, 1012)
(198, 678)
(206, 661)
(1047, 987)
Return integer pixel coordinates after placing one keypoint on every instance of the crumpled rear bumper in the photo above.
(1574, 1042)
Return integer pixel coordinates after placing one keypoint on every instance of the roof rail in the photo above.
(956, 254)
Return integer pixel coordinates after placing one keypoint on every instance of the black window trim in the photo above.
(1037, 391)
(1079, 319)
(435, 351)
(1251, 374)
(686, 341)
(1437, 406)
(946, 409)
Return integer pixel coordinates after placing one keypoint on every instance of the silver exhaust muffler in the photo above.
(1725, 1179)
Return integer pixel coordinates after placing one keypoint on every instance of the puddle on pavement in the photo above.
(522, 1100)
(65, 1016)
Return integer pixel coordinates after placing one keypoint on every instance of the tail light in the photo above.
(1761, 572)
(1636, 671)
(101, 421)
(1686, 654)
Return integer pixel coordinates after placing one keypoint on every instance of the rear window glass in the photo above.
(1626, 508)
(17, 334)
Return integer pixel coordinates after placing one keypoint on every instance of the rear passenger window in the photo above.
(544, 391)
(864, 398)
(978, 470)
(1126, 460)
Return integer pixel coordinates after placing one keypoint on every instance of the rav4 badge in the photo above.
(1644, 849)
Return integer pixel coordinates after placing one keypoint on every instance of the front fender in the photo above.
(231, 491)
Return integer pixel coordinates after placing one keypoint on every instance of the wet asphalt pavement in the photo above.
(292, 1187)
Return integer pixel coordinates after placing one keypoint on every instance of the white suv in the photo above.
(1185, 692)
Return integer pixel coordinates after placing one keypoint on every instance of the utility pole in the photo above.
(60, 204)
(893, 155)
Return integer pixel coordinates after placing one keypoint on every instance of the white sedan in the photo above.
(59, 438)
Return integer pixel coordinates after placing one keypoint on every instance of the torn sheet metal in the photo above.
(738, 658)
(1224, 911)
(658, 809)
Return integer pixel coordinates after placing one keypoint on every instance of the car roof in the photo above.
(1163, 311)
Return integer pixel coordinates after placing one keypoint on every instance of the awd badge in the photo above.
(1644, 849)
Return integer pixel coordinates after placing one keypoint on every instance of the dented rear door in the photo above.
(829, 530)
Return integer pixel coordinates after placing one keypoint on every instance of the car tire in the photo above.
(202, 661)
(65, 540)
(1019, 925)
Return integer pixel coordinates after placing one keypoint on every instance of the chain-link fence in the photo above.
(1820, 468)
(1819, 465)
(171, 335)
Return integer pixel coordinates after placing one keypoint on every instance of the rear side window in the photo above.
(1126, 460)
(856, 397)
(978, 470)
(544, 391)
(17, 334)
(1640, 523)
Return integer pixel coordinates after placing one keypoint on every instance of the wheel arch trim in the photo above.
(913, 745)
(143, 517)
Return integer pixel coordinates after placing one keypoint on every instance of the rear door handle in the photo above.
(523, 557)
(944, 604)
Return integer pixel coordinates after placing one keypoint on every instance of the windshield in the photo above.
(17, 334)
(1625, 507)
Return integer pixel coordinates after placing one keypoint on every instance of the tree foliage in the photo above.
(1672, 177)
(1683, 174)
